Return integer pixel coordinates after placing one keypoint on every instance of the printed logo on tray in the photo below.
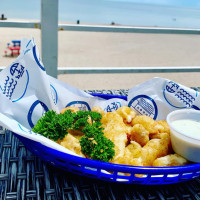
(113, 106)
(15, 84)
(25, 130)
(144, 105)
(27, 50)
(82, 105)
(177, 96)
(36, 107)
(37, 60)
(54, 94)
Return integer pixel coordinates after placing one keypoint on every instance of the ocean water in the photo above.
(124, 12)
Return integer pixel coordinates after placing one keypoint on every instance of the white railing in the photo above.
(49, 42)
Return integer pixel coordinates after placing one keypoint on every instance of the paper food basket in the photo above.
(27, 92)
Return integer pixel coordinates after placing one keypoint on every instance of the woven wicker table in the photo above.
(24, 176)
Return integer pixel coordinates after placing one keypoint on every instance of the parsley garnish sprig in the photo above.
(93, 144)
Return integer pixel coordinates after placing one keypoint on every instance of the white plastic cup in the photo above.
(184, 145)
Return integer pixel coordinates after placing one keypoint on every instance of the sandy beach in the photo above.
(92, 49)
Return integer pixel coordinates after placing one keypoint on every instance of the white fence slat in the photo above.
(49, 35)
(97, 70)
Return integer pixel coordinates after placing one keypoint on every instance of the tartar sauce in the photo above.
(188, 127)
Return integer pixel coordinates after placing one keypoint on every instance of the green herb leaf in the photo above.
(94, 144)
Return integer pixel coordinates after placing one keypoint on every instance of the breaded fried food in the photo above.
(139, 134)
(155, 148)
(147, 122)
(134, 150)
(162, 127)
(72, 143)
(132, 155)
(98, 109)
(139, 140)
(157, 135)
(126, 113)
(170, 160)
(115, 130)
(73, 109)
(165, 126)
(76, 133)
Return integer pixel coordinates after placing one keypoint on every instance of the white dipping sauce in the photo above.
(188, 127)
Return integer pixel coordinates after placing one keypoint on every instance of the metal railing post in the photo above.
(49, 35)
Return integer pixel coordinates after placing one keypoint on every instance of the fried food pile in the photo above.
(138, 139)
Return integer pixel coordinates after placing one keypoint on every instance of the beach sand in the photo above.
(94, 49)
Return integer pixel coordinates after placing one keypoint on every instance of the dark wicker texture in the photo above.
(24, 176)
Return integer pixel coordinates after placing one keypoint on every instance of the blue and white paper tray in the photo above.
(20, 130)
(27, 92)
(157, 97)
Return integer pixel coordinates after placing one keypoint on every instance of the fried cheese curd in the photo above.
(139, 140)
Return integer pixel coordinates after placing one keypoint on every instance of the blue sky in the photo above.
(164, 13)
(179, 3)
